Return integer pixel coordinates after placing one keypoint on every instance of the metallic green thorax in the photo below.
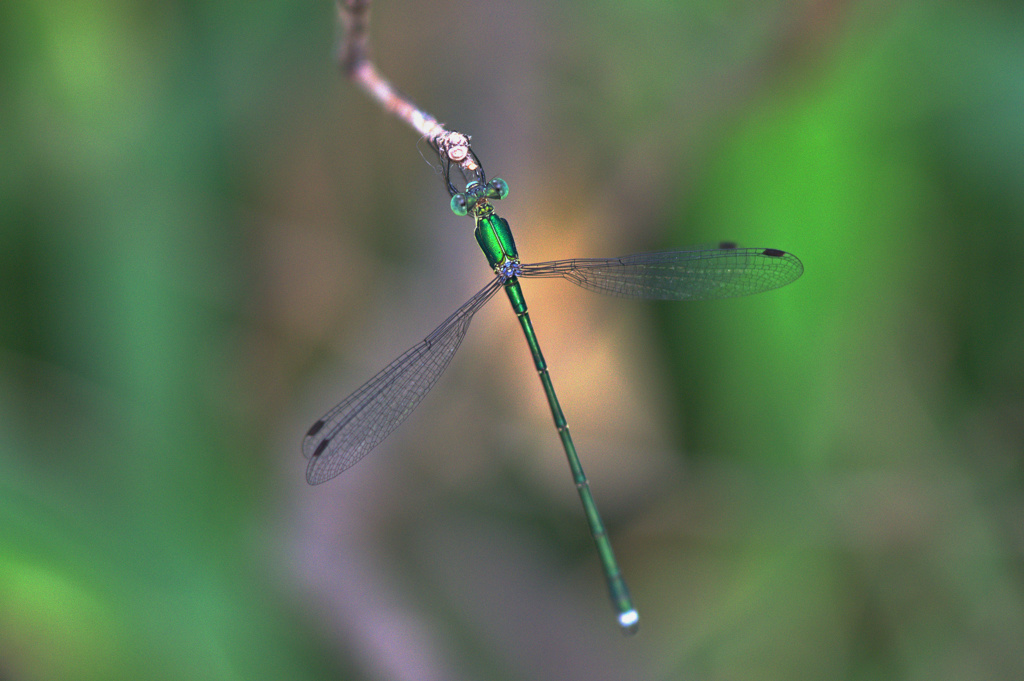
(492, 232)
(495, 238)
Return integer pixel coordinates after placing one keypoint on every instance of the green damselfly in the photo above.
(359, 423)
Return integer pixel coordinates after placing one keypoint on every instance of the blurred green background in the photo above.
(208, 237)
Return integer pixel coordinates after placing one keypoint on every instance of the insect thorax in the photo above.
(495, 239)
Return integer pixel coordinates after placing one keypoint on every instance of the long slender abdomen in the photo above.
(613, 575)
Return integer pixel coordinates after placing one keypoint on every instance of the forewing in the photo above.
(348, 432)
(702, 274)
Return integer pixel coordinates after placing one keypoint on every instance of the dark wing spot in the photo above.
(727, 245)
(315, 428)
(773, 252)
(321, 447)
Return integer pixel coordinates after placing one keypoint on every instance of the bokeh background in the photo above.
(208, 237)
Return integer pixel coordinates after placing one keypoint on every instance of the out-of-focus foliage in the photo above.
(207, 238)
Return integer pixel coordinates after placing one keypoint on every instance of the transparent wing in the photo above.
(699, 274)
(348, 432)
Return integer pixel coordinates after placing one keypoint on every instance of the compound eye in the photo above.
(459, 206)
(499, 187)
